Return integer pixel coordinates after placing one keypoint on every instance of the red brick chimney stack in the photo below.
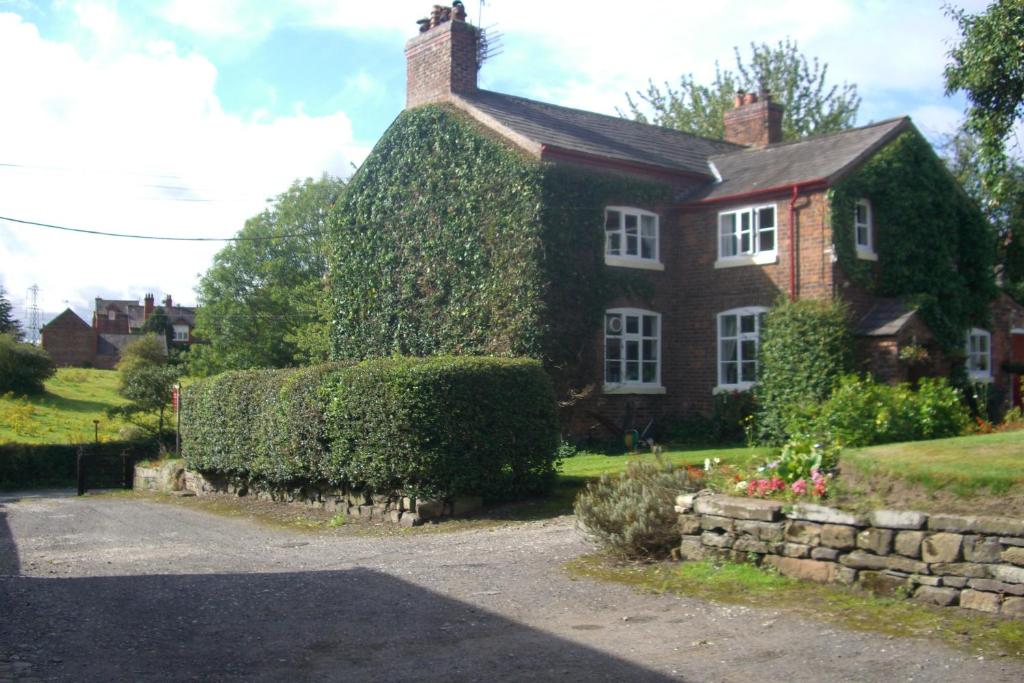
(167, 304)
(754, 121)
(442, 59)
(147, 307)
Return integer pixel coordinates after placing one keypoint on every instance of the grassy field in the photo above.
(65, 413)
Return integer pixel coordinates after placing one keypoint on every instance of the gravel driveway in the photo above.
(106, 588)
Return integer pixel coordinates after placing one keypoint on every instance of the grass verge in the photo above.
(846, 607)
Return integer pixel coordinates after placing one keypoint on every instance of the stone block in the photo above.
(908, 543)
(1012, 607)
(925, 580)
(689, 524)
(994, 526)
(467, 505)
(716, 523)
(883, 584)
(692, 549)
(860, 559)
(1007, 574)
(806, 533)
(408, 503)
(878, 541)
(968, 570)
(738, 508)
(954, 581)
(839, 536)
(1013, 556)
(992, 586)
(429, 509)
(825, 515)
(394, 516)
(941, 547)
(762, 531)
(941, 597)
(825, 554)
(746, 544)
(981, 549)
(897, 519)
(713, 540)
(1007, 540)
(410, 519)
(977, 600)
(810, 570)
(845, 575)
(796, 550)
(684, 503)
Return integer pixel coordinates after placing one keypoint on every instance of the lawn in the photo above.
(74, 397)
(590, 466)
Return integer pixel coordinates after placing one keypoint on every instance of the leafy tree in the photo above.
(812, 106)
(8, 324)
(988, 66)
(23, 367)
(158, 323)
(260, 301)
(146, 381)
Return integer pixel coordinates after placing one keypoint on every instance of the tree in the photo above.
(812, 105)
(23, 367)
(8, 323)
(987, 65)
(259, 303)
(158, 323)
(146, 381)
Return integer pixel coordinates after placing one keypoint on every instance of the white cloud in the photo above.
(135, 140)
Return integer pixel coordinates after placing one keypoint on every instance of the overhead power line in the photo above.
(161, 238)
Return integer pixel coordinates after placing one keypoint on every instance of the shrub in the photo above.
(23, 367)
(435, 427)
(633, 513)
(444, 426)
(805, 349)
(862, 412)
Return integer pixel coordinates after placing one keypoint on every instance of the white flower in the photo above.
(717, 461)
(707, 464)
(741, 486)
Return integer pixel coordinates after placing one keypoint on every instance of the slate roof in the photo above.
(824, 157)
(886, 319)
(612, 137)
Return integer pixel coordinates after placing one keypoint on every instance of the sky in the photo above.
(185, 117)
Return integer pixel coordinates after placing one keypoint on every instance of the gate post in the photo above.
(80, 470)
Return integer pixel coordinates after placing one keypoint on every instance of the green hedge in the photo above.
(27, 466)
(435, 427)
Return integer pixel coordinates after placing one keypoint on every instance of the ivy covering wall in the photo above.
(451, 241)
(935, 248)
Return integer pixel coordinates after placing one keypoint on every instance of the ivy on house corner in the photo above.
(935, 248)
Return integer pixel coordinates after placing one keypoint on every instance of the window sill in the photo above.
(733, 388)
(980, 377)
(866, 254)
(633, 389)
(762, 259)
(626, 262)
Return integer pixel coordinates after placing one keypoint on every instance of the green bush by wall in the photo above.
(431, 427)
(935, 247)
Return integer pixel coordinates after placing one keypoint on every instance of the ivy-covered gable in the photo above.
(934, 247)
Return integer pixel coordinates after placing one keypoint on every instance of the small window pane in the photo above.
(730, 373)
(631, 245)
(748, 349)
(632, 324)
(650, 349)
(862, 235)
(727, 233)
(728, 326)
(648, 245)
(632, 371)
(613, 372)
(766, 240)
(650, 326)
(766, 217)
(861, 213)
(612, 220)
(748, 371)
(631, 223)
(614, 247)
(613, 348)
(729, 348)
(648, 225)
(650, 371)
(632, 350)
(746, 323)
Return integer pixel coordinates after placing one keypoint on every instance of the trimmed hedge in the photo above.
(27, 466)
(430, 427)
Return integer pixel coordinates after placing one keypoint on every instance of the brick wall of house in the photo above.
(1007, 315)
(70, 341)
(441, 61)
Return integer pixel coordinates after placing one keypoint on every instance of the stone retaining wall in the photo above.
(395, 507)
(946, 560)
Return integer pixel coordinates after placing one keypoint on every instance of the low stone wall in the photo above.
(946, 560)
(394, 508)
(166, 476)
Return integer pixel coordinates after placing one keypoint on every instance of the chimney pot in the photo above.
(738, 100)
(750, 98)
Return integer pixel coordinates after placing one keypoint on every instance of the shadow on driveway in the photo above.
(353, 624)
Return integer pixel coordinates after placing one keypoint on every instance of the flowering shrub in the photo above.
(803, 468)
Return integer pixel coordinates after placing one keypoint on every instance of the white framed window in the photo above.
(632, 351)
(739, 339)
(631, 238)
(979, 355)
(863, 230)
(181, 333)
(747, 236)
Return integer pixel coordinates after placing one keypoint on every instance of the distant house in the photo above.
(72, 342)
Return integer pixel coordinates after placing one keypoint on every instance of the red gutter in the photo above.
(816, 184)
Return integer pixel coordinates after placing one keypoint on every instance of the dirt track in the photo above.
(102, 588)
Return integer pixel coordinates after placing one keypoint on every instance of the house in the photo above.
(638, 261)
(73, 342)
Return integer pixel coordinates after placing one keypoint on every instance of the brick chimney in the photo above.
(167, 304)
(754, 120)
(442, 59)
(147, 309)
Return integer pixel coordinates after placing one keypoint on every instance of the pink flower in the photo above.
(799, 487)
(752, 488)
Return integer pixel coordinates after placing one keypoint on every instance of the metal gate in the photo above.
(105, 468)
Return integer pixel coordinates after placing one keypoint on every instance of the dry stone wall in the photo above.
(392, 507)
(945, 560)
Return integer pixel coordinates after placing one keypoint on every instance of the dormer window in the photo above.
(863, 230)
(631, 238)
(746, 236)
